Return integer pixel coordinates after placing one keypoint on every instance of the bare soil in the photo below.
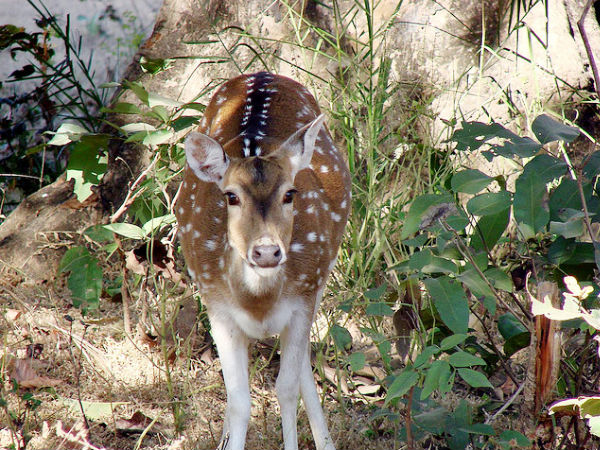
(129, 394)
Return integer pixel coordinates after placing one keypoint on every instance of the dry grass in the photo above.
(95, 361)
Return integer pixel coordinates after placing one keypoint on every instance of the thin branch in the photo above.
(132, 192)
(588, 47)
(495, 349)
(507, 404)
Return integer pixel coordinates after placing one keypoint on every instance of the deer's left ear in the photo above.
(299, 147)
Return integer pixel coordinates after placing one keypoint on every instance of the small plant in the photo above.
(464, 254)
(64, 89)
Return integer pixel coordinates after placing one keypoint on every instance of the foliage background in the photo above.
(426, 336)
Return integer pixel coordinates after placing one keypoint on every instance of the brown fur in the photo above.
(323, 195)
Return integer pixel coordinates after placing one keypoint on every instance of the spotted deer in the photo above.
(262, 209)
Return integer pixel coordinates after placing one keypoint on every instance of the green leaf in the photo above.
(425, 355)
(515, 334)
(474, 134)
(529, 206)
(474, 379)
(66, 133)
(93, 410)
(479, 428)
(137, 137)
(450, 301)
(122, 108)
(138, 126)
(86, 167)
(452, 341)
(566, 194)
(401, 385)
(417, 208)
(356, 361)
(155, 65)
(376, 293)
(592, 166)
(126, 229)
(489, 203)
(489, 229)
(546, 129)
(499, 279)
(98, 233)
(379, 309)
(158, 137)
(85, 280)
(432, 420)
(545, 168)
(157, 223)
(475, 283)
(155, 100)
(439, 369)
(425, 261)
(523, 147)
(571, 229)
(341, 337)
(181, 123)
(465, 359)
(470, 181)
(561, 250)
(138, 90)
(509, 436)
(447, 381)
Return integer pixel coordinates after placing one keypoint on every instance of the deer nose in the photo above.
(266, 255)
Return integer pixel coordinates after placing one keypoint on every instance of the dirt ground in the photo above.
(67, 363)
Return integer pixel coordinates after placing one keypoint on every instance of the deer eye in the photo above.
(288, 197)
(232, 199)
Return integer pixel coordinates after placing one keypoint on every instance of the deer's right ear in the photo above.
(206, 157)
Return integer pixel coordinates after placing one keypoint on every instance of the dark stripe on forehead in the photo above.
(254, 124)
(258, 171)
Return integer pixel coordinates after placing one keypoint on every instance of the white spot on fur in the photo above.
(296, 247)
(210, 245)
(336, 217)
(324, 169)
(311, 237)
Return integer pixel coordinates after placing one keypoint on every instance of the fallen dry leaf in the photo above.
(34, 351)
(159, 254)
(12, 315)
(25, 375)
(137, 424)
(77, 437)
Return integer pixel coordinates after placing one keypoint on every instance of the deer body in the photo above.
(262, 209)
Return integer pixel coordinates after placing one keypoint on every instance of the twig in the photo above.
(500, 356)
(410, 441)
(507, 404)
(588, 47)
(18, 175)
(132, 192)
(78, 371)
(464, 251)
